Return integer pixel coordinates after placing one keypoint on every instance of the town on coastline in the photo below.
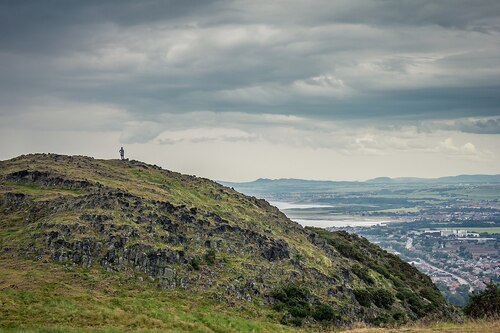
(450, 231)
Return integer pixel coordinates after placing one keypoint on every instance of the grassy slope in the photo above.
(46, 297)
(46, 294)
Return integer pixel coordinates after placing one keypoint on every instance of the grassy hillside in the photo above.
(71, 298)
(92, 243)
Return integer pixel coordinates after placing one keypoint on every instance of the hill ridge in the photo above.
(462, 178)
(186, 233)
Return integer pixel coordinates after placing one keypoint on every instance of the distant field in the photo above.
(492, 230)
(401, 210)
(489, 230)
(486, 192)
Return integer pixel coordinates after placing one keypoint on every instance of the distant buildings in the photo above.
(458, 233)
(451, 233)
(454, 257)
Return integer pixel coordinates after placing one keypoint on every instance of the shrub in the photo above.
(295, 321)
(434, 296)
(195, 263)
(299, 310)
(382, 298)
(323, 312)
(363, 297)
(347, 250)
(210, 257)
(382, 320)
(415, 303)
(485, 303)
(295, 301)
(383, 271)
(298, 257)
(291, 293)
(399, 316)
(362, 274)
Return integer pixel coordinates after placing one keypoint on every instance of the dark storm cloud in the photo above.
(52, 25)
(22, 19)
(387, 60)
(477, 126)
(459, 14)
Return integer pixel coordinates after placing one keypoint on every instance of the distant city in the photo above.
(448, 228)
(458, 261)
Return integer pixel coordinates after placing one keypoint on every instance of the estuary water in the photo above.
(326, 220)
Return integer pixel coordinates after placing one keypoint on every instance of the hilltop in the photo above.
(109, 243)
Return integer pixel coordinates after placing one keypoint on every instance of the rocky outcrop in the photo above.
(46, 179)
(13, 200)
(276, 250)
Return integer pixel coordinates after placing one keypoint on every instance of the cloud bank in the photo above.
(354, 80)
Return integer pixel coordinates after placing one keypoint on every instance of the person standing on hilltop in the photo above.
(122, 153)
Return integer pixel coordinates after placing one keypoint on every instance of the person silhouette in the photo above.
(122, 153)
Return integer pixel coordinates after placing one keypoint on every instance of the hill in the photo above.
(299, 187)
(297, 184)
(90, 243)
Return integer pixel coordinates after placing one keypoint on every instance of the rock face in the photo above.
(46, 179)
(183, 232)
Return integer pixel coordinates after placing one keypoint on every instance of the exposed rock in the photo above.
(278, 250)
(10, 199)
(46, 179)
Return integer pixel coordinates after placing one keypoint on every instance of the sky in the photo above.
(237, 90)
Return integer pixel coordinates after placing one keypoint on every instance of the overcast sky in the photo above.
(237, 90)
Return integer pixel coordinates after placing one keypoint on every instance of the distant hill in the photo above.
(382, 180)
(461, 179)
(107, 243)
(494, 179)
(263, 185)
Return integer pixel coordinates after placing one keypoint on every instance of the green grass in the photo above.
(52, 298)
(42, 193)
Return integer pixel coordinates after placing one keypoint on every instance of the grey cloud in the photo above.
(463, 14)
(329, 59)
(408, 87)
(55, 24)
(485, 125)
